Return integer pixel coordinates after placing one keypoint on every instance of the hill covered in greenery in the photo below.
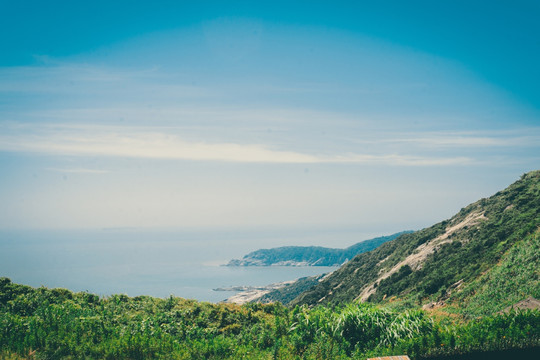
(482, 260)
(309, 255)
(58, 324)
(444, 292)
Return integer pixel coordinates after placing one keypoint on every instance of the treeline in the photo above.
(310, 255)
(58, 324)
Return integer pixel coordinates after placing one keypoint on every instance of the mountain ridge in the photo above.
(310, 255)
(444, 263)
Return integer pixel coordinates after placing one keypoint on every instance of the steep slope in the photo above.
(512, 279)
(309, 255)
(434, 265)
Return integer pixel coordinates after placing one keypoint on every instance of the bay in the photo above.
(142, 262)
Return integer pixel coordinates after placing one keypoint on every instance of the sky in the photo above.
(376, 116)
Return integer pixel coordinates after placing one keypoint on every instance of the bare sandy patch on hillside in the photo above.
(417, 258)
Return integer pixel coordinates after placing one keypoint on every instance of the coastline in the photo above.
(252, 293)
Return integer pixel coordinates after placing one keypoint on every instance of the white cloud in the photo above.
(501, 139)
(150, 143)
(78, 171)
(520, 137)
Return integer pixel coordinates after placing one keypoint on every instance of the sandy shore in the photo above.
(254, 293)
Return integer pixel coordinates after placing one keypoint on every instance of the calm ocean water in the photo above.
(135, 262)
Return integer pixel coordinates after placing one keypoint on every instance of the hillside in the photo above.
(41, 323)
(309, 255)
(487, 253)
(470, 270)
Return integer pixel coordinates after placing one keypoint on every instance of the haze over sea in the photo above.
(152, 262)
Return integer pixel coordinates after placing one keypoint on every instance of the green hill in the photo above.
(476, 264)
(59, 324)
(309, 255)
(483, 259)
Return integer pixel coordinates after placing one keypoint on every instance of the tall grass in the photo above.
(57, 324)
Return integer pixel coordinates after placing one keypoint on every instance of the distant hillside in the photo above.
(309, 255)
(485, 259)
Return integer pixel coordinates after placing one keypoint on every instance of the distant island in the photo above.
(310, 255)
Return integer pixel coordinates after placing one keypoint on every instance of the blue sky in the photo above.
(376, 116)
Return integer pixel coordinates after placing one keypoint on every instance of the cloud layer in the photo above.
(147, 143)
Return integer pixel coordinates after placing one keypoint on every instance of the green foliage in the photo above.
(502, 222)
(289, 292)
(516, 277)
(496, 258)
(58, 324)
(310, 255)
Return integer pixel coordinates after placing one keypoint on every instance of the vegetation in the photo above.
(490, 251)
(468, 269)
(289, 292)
(58, 324)
(515, 277)
(310, 255)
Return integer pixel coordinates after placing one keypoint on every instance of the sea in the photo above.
(159, 263)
